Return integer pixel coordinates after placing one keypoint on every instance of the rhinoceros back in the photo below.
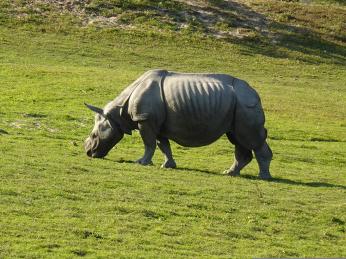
(199, 107)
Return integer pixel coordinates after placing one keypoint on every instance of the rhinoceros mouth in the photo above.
(91, 146)
(94, 149)
(97, 155)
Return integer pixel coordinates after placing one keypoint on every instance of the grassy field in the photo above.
(57, 203)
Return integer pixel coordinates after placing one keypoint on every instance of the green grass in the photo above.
(55, 202)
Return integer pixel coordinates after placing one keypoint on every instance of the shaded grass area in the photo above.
(55, 202)
(306, 31)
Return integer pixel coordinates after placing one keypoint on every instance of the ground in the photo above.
(56, 202)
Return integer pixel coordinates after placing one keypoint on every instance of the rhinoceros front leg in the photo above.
(149, 139)
(165, 147)
(242, 157)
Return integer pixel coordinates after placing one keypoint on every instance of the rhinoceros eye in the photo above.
(105, 131)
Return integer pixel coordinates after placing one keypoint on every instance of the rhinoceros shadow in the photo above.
(178, 168)
(120, 161)
(299, 183)
(251, 177)
(3, 132)
(197, 170)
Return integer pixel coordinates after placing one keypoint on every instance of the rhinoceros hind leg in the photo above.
(165, 147)
(149, 140)
(242, 157)
(264, 156)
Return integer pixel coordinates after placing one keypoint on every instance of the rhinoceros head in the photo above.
(105, 134)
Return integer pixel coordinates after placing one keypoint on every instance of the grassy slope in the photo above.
(56, 202)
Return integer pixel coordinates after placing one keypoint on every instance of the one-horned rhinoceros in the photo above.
(191, 109)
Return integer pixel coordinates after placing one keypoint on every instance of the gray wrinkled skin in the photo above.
(191, 109)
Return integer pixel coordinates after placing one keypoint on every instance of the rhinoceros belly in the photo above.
(199, 107)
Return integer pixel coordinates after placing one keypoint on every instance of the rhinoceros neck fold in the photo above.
(124, 96)
(120, 115)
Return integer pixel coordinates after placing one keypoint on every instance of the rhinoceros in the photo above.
(189, 108)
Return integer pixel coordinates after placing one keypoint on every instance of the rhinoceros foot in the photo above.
(169, 164)
(265, 176)
(143, 161)
(233, 173)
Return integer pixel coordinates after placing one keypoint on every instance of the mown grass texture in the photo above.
(55, 202)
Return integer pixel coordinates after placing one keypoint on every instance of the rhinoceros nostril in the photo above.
(89, 153)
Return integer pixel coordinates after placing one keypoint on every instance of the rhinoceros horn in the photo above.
(95, 109)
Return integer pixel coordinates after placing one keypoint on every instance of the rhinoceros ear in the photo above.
(95, 109)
